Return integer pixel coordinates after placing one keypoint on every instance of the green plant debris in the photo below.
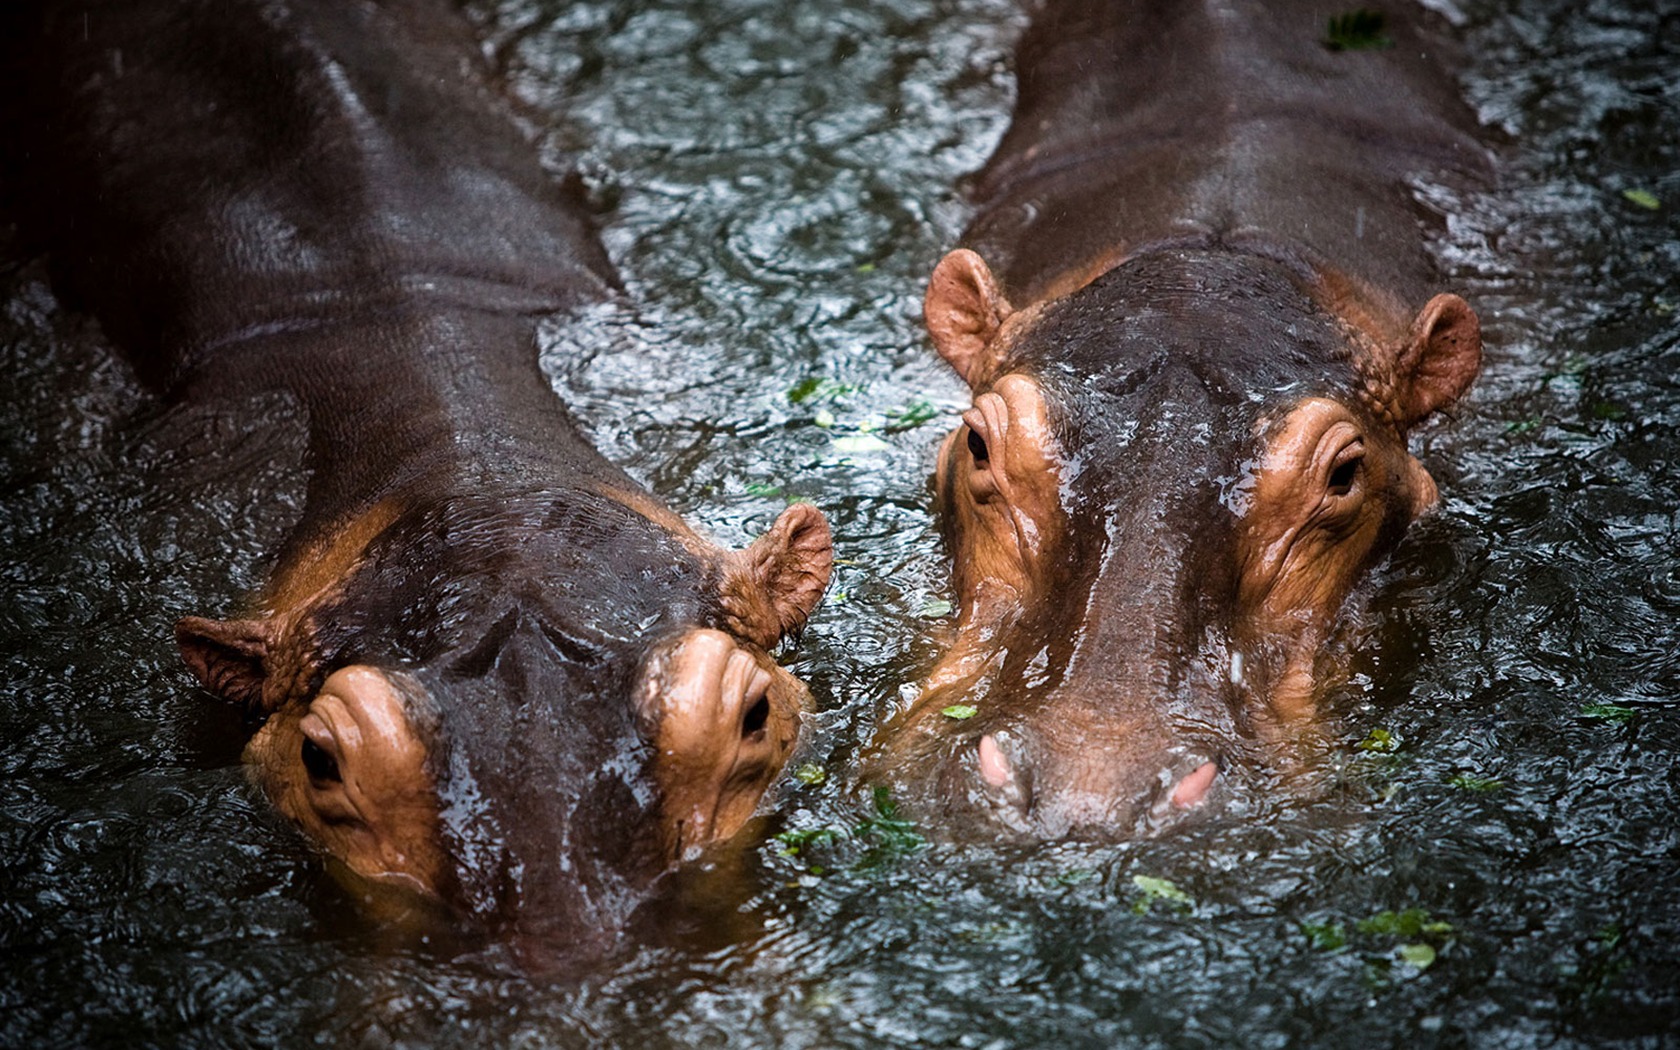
(889, 834)
(865, 268)
(960, 712)
(1482, 785)
(1360, 30)
(1573, 368)
(1604, 960)
(1379, 741)
(873, 842)
(1608, 712)
(934, 608)
(759, 488)
(1163, 890)
(1609, 410)
(1075, 877)
(856, 444)
(811, 775)
(1643, 198)
(794, 841)
(1325, 936)
(1523, 426)
(1413, 922)
(1417, 956)
(911, 415)
(820, 388)
(1662, 307)
(824, 418)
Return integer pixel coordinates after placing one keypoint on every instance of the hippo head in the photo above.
(525, 707)
(1169, 484)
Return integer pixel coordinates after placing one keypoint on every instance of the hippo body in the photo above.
(1197, 311)
(490, 669)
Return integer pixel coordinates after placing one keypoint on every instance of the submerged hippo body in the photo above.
(1198, 317)
(489, 668)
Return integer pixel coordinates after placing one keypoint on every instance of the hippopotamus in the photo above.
(488, 670)
(1198, 315)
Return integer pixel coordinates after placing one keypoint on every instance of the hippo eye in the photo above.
(1342, 477)
(320, 765)
(977, 446)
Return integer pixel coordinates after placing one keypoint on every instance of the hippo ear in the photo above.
(770, 588)
(964, 310)
(229, 657)
(1439, 360)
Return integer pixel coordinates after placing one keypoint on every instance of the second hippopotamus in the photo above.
(1198, 316)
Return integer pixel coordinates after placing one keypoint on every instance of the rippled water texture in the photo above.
(776, 180)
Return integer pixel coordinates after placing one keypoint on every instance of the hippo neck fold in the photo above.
(1141, 123)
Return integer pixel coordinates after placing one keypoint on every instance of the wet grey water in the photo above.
(777, 181)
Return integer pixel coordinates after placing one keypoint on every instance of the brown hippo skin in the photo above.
(1198, 318)
(491, 670)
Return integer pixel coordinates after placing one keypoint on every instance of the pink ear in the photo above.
(771, 587)
(963, 310)
(1439, 360)
(229, 657)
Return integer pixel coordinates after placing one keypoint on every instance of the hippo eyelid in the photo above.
(1344, 469)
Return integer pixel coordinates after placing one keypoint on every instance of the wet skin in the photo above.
(1198, 317)
(491, 672)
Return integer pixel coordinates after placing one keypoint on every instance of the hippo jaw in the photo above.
(1155, 527)
(451, 741)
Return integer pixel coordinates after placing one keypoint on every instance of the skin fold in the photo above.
(488, 671)
(1198, 315)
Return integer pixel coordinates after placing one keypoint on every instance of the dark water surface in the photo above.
(777, 180)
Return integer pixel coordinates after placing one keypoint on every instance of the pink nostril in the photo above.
(1192, 788)
(994, 767)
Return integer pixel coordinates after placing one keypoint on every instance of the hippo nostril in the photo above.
(1193, 788)
(994, 765)
(757, 717)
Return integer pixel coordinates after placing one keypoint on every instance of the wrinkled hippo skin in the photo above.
(490, 670)
(1198, 317)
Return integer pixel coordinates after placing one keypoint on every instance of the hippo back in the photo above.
(1139, 123)
(299, 168)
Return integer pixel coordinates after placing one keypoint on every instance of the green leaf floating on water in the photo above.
(889, 834)
(1075, 877)
(934, 608)
(1380, 741)
(852, 444)
(819, 388)
(1417, 956)
(1643, 198)
(1607, 712)
(1473, 783)
(1413, 922)
(793, 841)
(1156, 889)
(960, 711)
(1325, 936)
(1360, 30)
(810, 774)
(911, 415)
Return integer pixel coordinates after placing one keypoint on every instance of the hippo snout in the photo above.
(1028, 782)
